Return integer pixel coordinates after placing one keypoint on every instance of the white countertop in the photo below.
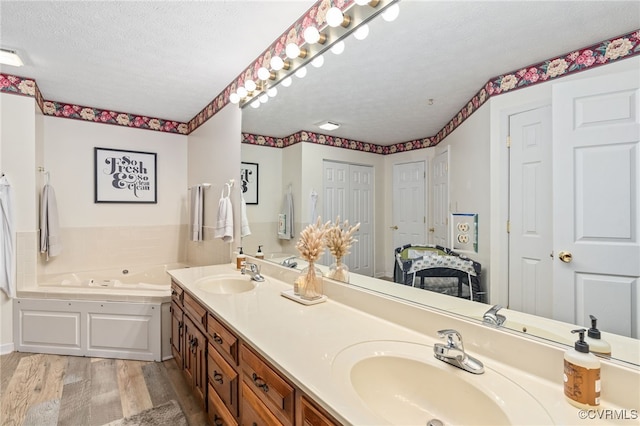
(302, 342)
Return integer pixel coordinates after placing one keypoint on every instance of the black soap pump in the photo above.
(596, 344)
(581, 374)
(259, 253)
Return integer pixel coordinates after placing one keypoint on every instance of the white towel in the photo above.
(285, 219)
(224, 223)
(7, 282)
(196, 212)
(313, 206)
(245, 230)
(50, 242)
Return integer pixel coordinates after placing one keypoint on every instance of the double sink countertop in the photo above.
(304, 342)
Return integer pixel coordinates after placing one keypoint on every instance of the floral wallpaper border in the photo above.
(604, 52)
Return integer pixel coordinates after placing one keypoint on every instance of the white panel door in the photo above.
(596, 129)
(530, 215)
(440, 200)
(409, 217)
(360, 261)
(348, 193)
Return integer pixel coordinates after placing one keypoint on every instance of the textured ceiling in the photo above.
(169, 59)
(164, 59)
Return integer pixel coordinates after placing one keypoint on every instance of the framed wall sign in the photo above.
(125, 176)
(249, 182)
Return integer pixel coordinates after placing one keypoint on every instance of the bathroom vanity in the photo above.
(255, 357)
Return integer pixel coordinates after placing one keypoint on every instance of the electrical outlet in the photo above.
(463, 227)
(463, 238)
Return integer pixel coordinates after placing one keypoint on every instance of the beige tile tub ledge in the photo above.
(304, 342)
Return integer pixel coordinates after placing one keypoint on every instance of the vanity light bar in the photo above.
(284, 68)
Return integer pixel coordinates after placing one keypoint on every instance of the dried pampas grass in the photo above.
(339, 238)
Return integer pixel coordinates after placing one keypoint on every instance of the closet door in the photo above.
(348, 193)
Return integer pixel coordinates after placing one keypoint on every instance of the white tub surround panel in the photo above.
(89, 328)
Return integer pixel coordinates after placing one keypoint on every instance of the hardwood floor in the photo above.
(40, 389)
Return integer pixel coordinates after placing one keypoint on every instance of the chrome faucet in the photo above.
(290, 262)
(452, 352)
(253, 270)
(492, 317)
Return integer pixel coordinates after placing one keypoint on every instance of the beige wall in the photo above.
(214, 157)
(18, 124)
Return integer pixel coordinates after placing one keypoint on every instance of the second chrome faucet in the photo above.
(452, 352)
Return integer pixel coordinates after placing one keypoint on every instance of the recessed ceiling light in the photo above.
(328, 125)
(10, 57)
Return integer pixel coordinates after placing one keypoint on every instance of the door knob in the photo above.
(565, 256)
(394, 227)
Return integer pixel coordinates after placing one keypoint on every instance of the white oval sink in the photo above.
(225, 284)
(403, 384)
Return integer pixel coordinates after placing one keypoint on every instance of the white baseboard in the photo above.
(7, 348)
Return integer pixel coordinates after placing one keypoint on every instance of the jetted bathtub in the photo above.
(110, 313)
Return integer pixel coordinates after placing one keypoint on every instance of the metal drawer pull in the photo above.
(259, 382)
(217, 377)
(217, 421)
(217, 338)
(173, 292)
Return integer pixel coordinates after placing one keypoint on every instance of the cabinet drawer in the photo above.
(224, 379)
(223, 340)
(312, 415)
(176, 293)
(254, 412)
(218, 414)
(267, 385)
(193, 308)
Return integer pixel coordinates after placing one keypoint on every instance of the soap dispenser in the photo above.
(581, 375)
(259, 253)
(596, 344)
(241, 259)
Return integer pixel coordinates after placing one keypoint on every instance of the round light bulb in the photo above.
(292, 50)
(318, 61)
(264, 73)
(362, 32)
(242, 92)
(338, 48)
(276, 63)
(334, 17)
(272, 92)
(287, 82)
(234, 98)
(255, 104)
(311, 35)
(391, 13)
(362, 2)
(250, 85)
(301, 72)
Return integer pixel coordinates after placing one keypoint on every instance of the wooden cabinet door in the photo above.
(195, 359)
(177, 334)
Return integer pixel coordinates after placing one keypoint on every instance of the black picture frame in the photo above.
(249, 182)
(123, 176)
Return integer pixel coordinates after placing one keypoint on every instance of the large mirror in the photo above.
(405, 82)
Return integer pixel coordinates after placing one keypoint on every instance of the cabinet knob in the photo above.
(217, 338)
(217, 377)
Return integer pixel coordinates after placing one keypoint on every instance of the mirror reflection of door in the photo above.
(530, 215)
(409, 210)
(439, 231)
(348, 193)
(596, 132)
